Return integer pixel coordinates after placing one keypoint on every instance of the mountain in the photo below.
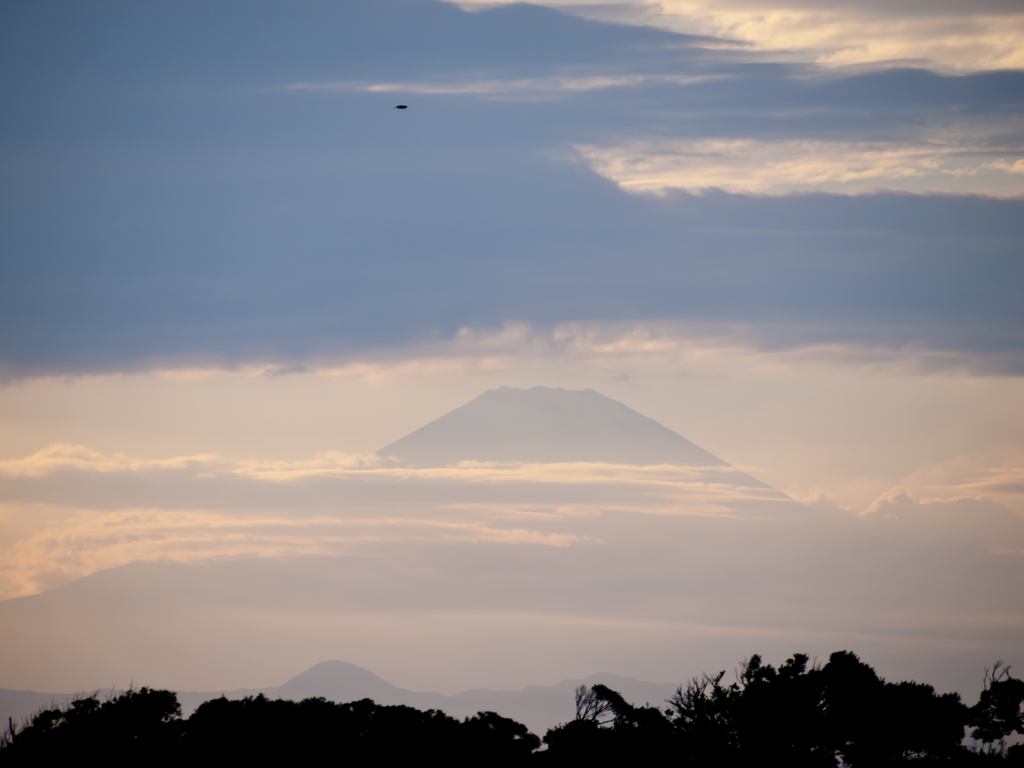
(543, 425)
(538, 707)
(341, 681)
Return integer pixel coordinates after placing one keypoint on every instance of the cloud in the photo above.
(1017, 167)
(954, 35)
(997, 476)
(828, 503)
(292, 225)
(479, 86)
(604, 349)
(778, 167)
(769, 570)
(708, 349)
(975, 499)
(529, 87)
(198, 508)
(848, 34)
(323, 506)
(91, 541)
(56, 457)
(976, 520)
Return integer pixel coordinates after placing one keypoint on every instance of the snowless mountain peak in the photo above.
(544, 424)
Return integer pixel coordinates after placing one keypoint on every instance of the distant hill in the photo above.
(538, 707)
(543, 425)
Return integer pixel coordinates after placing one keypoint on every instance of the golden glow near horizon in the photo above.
(849, 432)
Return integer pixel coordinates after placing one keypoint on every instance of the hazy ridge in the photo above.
(539, 707)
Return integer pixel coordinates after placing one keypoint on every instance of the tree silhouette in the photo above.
(999, 713)
(800, 715)
(630, 733)
(142, 725)
(590, 707)
(487, 738)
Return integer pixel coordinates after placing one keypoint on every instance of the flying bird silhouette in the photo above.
(401, 106)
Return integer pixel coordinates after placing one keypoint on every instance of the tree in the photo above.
(143, 725)
(590, 707)
(999, 712)
(487, 738)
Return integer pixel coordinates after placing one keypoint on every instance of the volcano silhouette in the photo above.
(546, 425)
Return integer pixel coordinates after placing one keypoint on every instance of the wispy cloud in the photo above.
(727, 480)
(779, 167)
(507, 87)
(997, 476)
(977, 520)
(371, 507)
(56, 457)
(986, 35)
(90, 541)
(975, 499)
(701, 348)
(857, 33)
(698, 347)
(967, 500)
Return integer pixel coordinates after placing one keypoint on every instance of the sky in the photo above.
(790, 232)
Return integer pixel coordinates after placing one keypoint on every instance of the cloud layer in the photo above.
(984, 35)
(342, 549)
(233, 206)
(742, 165)
(95, 511)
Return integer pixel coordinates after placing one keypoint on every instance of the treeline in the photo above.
(802, 716)
(798, 715)
(146, 726)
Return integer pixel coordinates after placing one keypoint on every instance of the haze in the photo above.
(648, 337)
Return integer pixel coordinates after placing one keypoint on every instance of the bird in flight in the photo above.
(401, 106)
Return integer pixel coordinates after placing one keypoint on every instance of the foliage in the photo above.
(145, 726)
(800, 715)
(142, 725)
(999, 713)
